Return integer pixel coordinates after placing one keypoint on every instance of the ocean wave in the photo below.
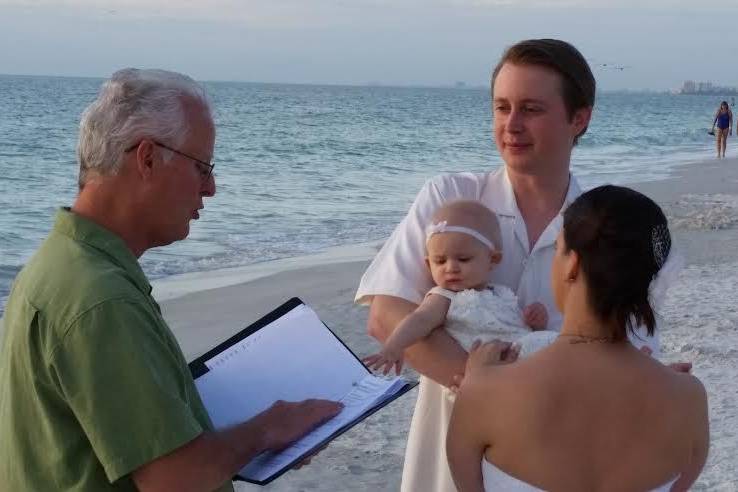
(703, 212)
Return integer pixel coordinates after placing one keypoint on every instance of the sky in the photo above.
(657, 43)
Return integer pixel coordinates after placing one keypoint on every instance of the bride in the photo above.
(589, 412)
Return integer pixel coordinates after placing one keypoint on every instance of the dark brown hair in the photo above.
(622, 240)
(577, 82)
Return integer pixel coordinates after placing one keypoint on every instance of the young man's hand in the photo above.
(535, 316)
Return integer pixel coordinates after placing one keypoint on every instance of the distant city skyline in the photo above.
(685, 87)
(636, 45)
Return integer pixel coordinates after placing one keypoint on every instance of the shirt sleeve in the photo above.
(124, 380)
(399, 268)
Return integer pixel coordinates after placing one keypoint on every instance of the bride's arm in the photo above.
(465, 444)
(702, 440)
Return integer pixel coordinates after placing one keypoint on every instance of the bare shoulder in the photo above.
(692, 389)
(507, 382)
(482, 382)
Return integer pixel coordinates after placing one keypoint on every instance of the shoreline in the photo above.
(174, 286)
(699, 174)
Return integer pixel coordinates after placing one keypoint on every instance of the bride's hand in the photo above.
(481, 355)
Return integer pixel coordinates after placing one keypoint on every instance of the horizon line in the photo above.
(460, 85)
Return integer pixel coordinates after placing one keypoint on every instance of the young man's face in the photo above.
(532, 128)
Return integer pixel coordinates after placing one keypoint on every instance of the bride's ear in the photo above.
(572, 266)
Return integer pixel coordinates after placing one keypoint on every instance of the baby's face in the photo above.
(457, 261)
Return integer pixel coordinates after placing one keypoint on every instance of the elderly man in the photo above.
(95, 393)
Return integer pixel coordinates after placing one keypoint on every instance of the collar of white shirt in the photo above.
(503, 203)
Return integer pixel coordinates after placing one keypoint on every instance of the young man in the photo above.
(95, 393)
(543, 93)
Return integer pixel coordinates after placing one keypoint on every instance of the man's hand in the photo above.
(536, 316)
(285, 422)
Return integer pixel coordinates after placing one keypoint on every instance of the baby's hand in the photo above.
(536, 316)
(384, 361)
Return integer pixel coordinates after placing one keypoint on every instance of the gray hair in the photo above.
(132, 105)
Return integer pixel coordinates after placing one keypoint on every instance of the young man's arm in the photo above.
(211, 459)
(437, 356)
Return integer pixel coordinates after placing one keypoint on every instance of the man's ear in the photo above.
(427, 262)
(581, 119)
(495, 257)
(145, 157)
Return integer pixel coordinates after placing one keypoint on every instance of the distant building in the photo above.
(692, 87)
(689, 87)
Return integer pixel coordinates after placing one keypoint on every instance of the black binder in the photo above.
(198, 368)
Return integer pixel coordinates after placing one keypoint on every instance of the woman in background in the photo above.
(724, 122)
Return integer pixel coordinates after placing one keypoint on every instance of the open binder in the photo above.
(289, 354)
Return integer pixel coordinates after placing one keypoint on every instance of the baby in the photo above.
(463, 245)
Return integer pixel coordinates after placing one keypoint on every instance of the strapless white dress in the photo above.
(497, 480)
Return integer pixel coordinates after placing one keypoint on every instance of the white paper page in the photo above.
(362, 397)
(292, 359)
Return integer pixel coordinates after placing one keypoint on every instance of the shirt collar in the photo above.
(106, 242)
(503, 197)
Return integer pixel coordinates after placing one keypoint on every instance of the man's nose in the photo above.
(452, 265)
(514, 122)
(208, 186)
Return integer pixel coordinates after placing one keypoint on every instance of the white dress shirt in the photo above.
(399, 268)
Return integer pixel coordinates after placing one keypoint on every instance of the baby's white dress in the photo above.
(485, 315)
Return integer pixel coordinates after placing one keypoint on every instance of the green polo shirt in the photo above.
(92, 382)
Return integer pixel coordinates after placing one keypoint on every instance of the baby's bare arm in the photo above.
(420, 323)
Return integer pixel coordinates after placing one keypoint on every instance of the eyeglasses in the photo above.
(205, 168)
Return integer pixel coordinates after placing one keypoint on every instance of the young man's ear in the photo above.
(495, 257)
(581, 119)
(427, 262)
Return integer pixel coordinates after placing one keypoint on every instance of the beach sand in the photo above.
(700, 313)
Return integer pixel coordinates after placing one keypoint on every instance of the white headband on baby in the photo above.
(444, 227)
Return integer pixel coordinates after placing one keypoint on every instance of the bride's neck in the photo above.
(580, 320)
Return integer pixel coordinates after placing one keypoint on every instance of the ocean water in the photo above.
(303, 168)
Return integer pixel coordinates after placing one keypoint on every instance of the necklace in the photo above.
(576, 338)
